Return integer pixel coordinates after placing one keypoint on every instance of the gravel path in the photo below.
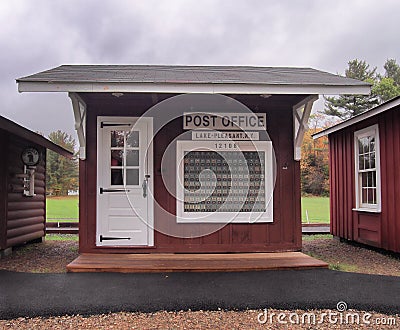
(209, 320)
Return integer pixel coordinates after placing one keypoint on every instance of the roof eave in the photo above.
(202, 88)
(367, 114)
(13, 128)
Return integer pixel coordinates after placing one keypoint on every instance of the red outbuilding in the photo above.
(365, 177)
(186, 159)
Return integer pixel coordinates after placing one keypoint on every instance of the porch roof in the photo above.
(190, 79)
(13, 128)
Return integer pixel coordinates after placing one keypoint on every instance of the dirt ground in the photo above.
(47, 257)
(343, 256)
(52, 256)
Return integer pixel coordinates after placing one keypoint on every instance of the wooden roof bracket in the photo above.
(301, 114)
(79, 108)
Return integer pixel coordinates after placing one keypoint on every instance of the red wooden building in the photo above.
(365, 177)
(145, 137)
(22, 184)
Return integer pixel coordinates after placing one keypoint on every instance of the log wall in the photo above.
(25, 216)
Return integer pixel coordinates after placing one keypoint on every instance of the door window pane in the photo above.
(132, 177)
(132, 158)
(117, 177)
(117, 157)
(132, 139)
(117, 139)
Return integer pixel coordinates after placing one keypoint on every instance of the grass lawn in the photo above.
(316, 236)
(67, 207)
(62, 207)
(63, 237)
(317, 208)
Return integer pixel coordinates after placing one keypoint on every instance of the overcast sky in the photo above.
(40, 34)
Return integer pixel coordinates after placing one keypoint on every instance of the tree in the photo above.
(383, 89)
(61, 172)
(392, 70)
(315, 159)
(386, 89)
(347, 106)
(389, 85)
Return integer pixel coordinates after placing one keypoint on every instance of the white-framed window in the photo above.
(367, 168)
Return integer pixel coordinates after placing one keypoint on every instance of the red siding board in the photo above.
(296, 236)
(332, 186)
(369, 237)
(369, 221)
(340, 197)
(384, 178)
(396, 181)
(350, 185)
(390, 218)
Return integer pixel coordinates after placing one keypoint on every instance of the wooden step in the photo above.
(154, 263)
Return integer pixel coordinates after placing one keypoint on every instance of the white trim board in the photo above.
(203, 88)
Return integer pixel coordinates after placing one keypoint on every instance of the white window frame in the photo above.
(374, 208)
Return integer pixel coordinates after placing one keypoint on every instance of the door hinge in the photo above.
(102, 190)
(106, 238)
(103, 124)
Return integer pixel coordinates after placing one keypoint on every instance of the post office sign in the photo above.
(224, 121)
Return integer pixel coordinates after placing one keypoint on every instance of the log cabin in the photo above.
(22, 184)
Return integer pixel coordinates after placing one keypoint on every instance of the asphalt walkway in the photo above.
(29, 295)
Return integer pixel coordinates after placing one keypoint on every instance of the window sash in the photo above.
(366, 145)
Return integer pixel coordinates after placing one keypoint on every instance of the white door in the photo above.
(124, 182)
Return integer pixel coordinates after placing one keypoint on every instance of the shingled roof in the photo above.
(203, 79)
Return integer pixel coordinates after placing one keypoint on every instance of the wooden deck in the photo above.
(158, 263)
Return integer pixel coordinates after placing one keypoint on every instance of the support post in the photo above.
(79, 108)
(301, 114)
